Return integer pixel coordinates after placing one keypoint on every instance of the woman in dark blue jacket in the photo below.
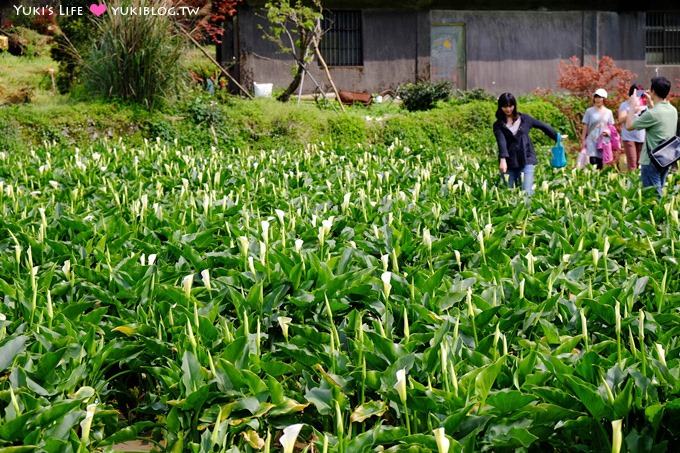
(515, 150)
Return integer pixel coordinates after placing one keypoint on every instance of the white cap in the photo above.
(600, 92)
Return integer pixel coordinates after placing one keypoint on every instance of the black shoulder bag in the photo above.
(665, 154)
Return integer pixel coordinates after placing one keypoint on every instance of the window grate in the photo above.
(662, 33)
(341, 44)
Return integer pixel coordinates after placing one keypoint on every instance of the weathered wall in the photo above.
(390, 48)
(515, 51)
(622, 37)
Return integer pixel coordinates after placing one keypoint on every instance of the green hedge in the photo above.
(266, 124)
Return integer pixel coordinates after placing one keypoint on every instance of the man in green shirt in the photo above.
(659, 122)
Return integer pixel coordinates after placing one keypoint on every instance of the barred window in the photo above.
(342, 42)
(662, 44)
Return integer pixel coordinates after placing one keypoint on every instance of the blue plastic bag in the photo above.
(559, 158)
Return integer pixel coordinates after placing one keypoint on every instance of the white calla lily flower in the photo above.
(290, 434)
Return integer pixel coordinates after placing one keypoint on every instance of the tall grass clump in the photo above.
(135, 57)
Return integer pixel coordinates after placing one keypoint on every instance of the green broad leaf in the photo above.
(507, 401)
(556, 396)
(623, 402)
(654, 415)
(367, 410)
(514, 438)
(16, 429)
(321, 398)
(276, 392)
(18, 449)
(432, 283)
(485, 379)
(590, 397)
(237, 351)
(640, 285)
(288, 406)
(550, 331)
(195, 400)
(276, 368)
(55, 412)
(192, 375)
(453, 421)
(527, 364)
(486, 316)
(76, 310)
(344, 261)
(256, 385)
(6, 288)
(10, 349)
(128, 433)
(249, 403)
(568, 344)
(417, 443)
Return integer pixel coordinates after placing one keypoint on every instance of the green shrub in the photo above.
(550, 114)
(347, 130)
(408, 129)
(466, 96)
(423, 95)
(135, 57)
(160, 128)
(204, 111)
(9, 136)
(570, 108)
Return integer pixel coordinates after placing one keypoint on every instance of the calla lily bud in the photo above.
(284, 322)
(265, 230)
(427, 239)
(186, 284)
(205, 275)
(617, 436)
(385, 262)
(443, 442)
(386, 278)
(661, 353)
(280, 215)
(244, 244)
(86, 424)
(400, 386)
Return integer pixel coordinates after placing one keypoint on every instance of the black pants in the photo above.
(597, 161)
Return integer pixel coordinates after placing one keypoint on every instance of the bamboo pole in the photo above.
(315, 43)
(224, 71)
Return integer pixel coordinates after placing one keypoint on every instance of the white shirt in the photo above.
(514, 127)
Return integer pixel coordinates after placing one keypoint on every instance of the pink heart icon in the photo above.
(98, 10)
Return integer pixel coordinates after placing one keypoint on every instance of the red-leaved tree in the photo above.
(584, 80)
(208, 24)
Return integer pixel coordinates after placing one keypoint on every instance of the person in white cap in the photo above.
(596, 121)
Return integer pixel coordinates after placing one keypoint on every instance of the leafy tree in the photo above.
(295, 26)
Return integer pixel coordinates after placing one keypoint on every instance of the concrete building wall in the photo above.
(390, 52)
(515, 51)
(622, 37)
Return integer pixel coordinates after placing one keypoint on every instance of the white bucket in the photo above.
(263, 90)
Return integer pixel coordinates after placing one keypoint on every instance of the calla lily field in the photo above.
(332, 299)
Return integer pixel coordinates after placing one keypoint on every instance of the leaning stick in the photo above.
(224, 71)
